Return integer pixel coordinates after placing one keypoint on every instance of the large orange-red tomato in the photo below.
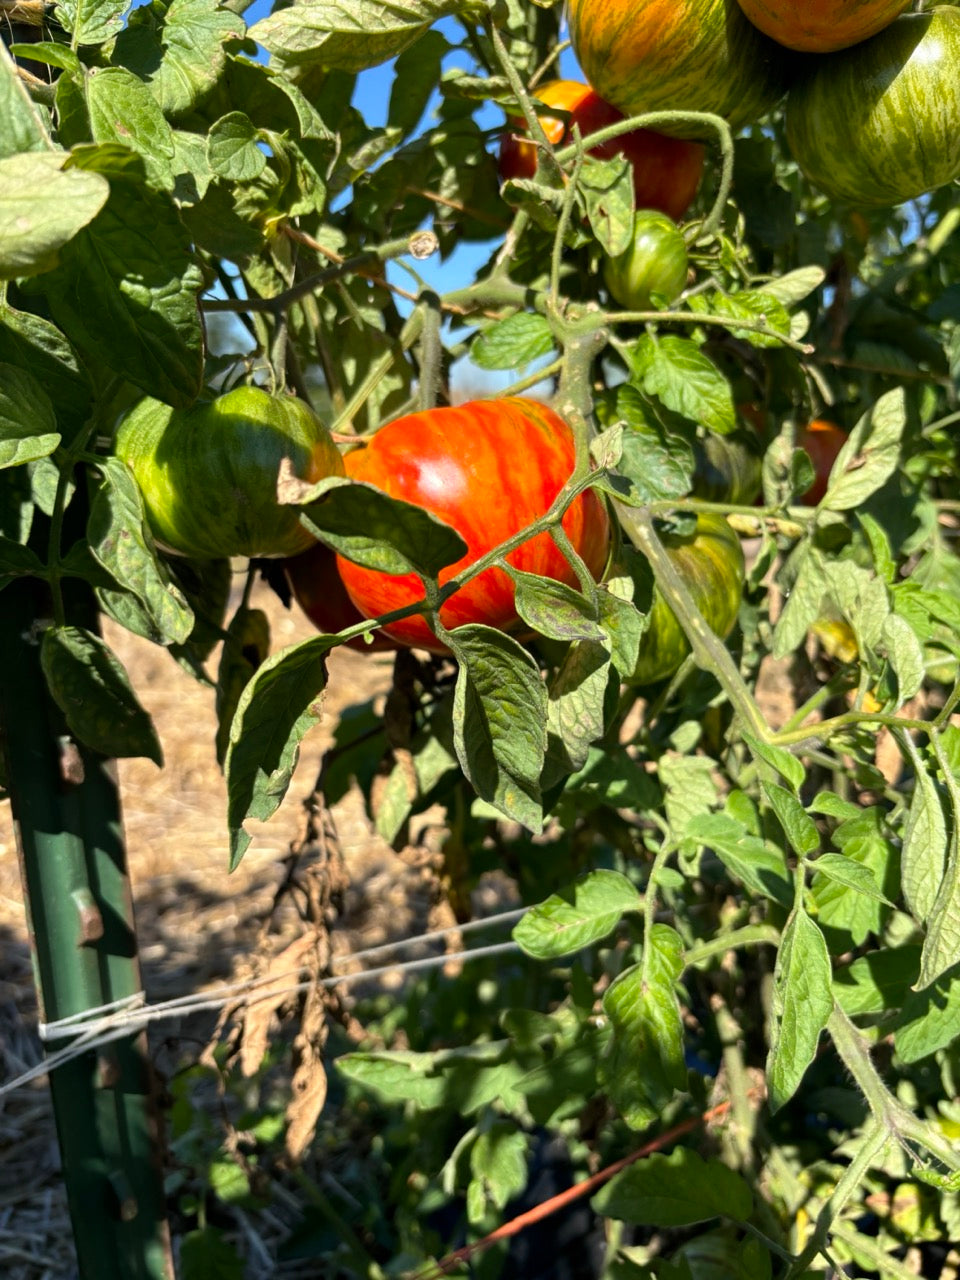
(821, 26)
(488, 468)
(666, 171)
(319, 591)
(822, 440)
(679, 55)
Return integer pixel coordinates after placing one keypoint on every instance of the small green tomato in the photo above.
(655, 262)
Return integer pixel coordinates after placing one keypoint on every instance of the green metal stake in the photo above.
(73, 864)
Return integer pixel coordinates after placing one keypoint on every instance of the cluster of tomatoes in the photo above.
(844, 67)
(872, 92)
(448, 461)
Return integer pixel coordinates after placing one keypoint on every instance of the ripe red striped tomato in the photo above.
(678, 55)
(666, 171)
(488, 468)
(821, 26)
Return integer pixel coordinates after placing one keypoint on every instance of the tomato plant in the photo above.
(666, 171)
(821, 26)
(208, 475)
(709, 559)
(678, 55)
(488, 468)
(880, 123)
(654, 263)
(739, 889)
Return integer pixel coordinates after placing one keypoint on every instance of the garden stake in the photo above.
(77, 895)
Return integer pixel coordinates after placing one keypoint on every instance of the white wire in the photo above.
(94, 1028)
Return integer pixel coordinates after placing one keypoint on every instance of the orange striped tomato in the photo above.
(821, 26)
(488, 468)
(673, 55)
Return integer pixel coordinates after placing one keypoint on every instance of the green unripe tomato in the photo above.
(710, 562)
(655, 262)
(208, 474)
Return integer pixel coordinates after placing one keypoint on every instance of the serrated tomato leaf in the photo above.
(675, 1191)
(276, 709)
(89, 685)
(579, 916)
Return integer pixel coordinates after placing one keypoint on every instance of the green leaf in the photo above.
(498, 1163)
(416, 75)
(644, 1063)
(854, 875)
(23, 126)
(206, 1254)
(923, 856)
(757, 308)
(803, 603)
(622, 622)
(120, 541)
(348, 37)
(89, 685)
(870, 456)
(799, 828)
(28, 425)
(18, 561)
(500, 713)
(277, 708)
(658, 464)
(877, 981)
(379, 532)
(575, 710)
(38, 347)
(513, 343)
(91, 21)
(578, 917)
(126, 289)
(42, 207)
(553, 609)
(795, 285)
(245, 649)
(232, 149)
(685, 380)
(675, 1191)
(855, 915)
(783, 762)
(801, 1004)
(930, 1019)
(906, 656)
(606, 188)
(122, 109)
(757, 864)
(51, 54)
(182, 57)
(942, 944)
(690, 792)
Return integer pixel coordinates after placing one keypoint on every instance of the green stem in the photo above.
(751, 935)
(708, 649)
(657, 119)
(869, 1248)
(431, 352)
(699, 317)
(874, 1140)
